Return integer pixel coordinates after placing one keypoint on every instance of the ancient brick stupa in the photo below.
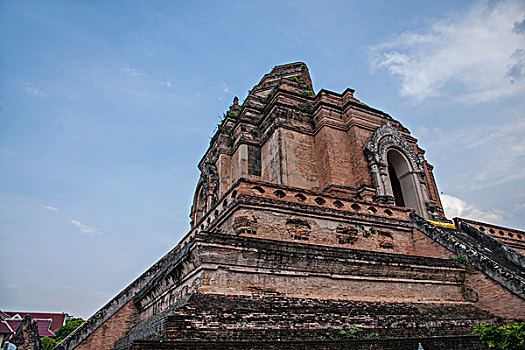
(316, 222)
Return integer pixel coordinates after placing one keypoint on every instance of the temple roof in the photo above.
(296, 71)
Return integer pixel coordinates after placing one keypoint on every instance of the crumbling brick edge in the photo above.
(121, 299)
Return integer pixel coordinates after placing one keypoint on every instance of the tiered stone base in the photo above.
(439, 343)
(271, 321)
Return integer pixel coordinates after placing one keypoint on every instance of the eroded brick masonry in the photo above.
(316, 222)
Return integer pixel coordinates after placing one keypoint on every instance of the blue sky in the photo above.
(107, 106)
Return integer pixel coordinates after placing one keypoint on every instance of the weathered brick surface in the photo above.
(497, 272)
(306, 141)
(112, 330)
(243, 265)
(271, 321)
(493, 297)
(307, 242)
(456, 343)
(425, 246)
(274, 317)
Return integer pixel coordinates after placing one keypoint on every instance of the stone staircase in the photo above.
(495, 259)
(429, 343)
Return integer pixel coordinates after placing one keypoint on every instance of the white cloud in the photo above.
(483, 50)
(48, 207)
(33, 90)
(455, 207)
(505, 155)
(134, 72)
(85, 228)
(167, 83)
(519, 208)
(496, 153)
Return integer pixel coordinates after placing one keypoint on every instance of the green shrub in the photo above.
(48, 343)
(350, 333)
(69, 327)
(373, 335)
(509, 337)
(462, 259)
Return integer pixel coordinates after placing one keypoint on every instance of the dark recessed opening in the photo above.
(338, 204)
(279, 194)
(300, 197)
(319, 201)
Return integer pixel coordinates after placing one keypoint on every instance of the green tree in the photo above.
(69, 327)
(48, 343)
(509, 337)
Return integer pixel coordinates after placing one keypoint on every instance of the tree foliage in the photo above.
(509, 337)
(49, 343)
(69, 327)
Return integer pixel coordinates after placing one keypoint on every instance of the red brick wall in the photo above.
(424, 246)
(493, 297)
(297, 152)
(323, 140)
(359, 165)
(112, 330)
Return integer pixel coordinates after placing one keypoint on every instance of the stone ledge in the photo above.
(264, 320)
(327, 252)
(432, 343)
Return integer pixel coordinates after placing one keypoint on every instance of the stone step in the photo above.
(426, 343)
(241, 318)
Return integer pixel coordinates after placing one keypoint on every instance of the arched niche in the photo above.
(199, 207)
(205, 194)
(397, 171)
(404, 183)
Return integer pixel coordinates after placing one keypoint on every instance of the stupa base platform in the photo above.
(433, 343)
(215, 321)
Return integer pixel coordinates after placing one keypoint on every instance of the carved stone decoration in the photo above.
(26, 336)
(245, 224)
(384, 139)
(211, 183)
(206, 194)
(386, 240)
(298, 229)
(469, 294)
(346, 234)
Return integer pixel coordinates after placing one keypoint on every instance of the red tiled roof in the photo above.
(14, 324)
(57, 319)
(43, 328)
(5, 328)
(10, 326)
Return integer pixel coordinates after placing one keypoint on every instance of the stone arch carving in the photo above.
(199, 206)
(387, 139)
(206, 193)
